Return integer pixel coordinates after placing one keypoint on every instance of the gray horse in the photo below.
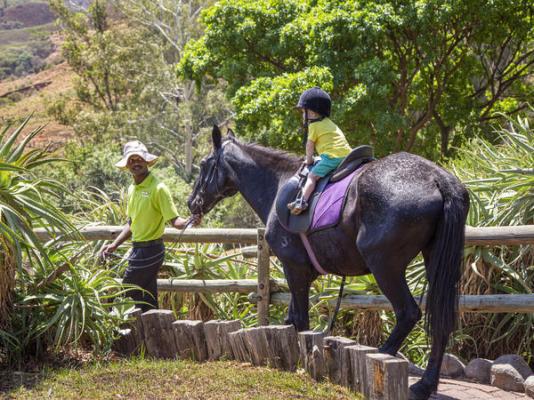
(399, 206)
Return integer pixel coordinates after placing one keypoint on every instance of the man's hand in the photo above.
(108, 249)
(180, 223)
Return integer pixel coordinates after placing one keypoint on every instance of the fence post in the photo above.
(263, 279)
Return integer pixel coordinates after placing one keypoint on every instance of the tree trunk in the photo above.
(188, 151)
(7, 281)
(445, 134)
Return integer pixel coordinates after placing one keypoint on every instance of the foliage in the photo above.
(18, 61)
(501, 181)
(209, 261)
(58, 292)
(23, 206)
(126, 86)
(418, 77)
(69, 303)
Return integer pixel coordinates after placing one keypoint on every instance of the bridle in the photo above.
(210, 177)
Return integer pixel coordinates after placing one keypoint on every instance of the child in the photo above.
(324, 137)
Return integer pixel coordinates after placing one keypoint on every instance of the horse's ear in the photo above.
(230, 133)
(216, 137)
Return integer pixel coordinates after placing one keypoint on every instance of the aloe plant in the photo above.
(500, 179)
(24, 205)
(63, 297)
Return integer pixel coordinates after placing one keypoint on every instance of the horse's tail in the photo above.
(444, 269)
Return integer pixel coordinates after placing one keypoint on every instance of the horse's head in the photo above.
(216, 180)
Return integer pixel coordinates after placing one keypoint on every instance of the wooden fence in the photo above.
(268, 291)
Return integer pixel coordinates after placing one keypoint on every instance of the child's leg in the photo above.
(301, 203)
(309, 186)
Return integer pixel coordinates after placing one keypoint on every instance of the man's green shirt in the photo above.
(150, 206)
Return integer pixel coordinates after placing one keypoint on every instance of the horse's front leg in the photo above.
(298, 271)
(299, 280)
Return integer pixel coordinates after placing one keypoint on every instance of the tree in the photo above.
(410, 75)
(175, 23)
(124, 53)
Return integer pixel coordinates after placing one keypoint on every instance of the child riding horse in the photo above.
(399, 206)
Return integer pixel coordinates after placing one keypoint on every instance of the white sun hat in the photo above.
(135, 147)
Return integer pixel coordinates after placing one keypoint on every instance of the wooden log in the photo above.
(216, 285)
(190, 340)
(225, 328)
(307, 340)
(358, 365)
(283, 346)
(474, 236)
(159, 334)
(387, 377)
(211, 332)
(499, 235)
(315, 363)
(488, 303)
(195, 235)
(263, 279)
(337, 365)
(216, 333)
(131, 335)
(257, 346)
(239, 346)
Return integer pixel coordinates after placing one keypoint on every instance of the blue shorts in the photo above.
(326, 165)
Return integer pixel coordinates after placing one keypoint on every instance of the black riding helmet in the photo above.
(316, 99)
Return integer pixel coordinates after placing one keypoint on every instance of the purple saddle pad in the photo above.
(328, 210)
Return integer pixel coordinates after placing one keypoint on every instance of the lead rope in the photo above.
(336, 310)
(124, 259)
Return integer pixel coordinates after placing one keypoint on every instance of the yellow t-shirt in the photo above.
(328, 138)
(150, 206)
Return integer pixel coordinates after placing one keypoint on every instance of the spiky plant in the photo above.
(500, 178)
(24, 205)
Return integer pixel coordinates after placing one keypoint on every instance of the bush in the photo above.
(23, 60)
(500, 180)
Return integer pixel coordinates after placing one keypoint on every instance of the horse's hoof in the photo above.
(420, 391)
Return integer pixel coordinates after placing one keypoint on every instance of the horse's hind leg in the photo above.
(388, 269)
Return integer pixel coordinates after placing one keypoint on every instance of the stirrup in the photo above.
(298, 206)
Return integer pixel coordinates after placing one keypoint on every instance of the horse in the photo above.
(399, 206)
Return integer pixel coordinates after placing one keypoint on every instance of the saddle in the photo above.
(303, 222)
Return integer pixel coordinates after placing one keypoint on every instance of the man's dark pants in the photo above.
(143, 267)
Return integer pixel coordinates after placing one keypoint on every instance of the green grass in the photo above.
(146, 379)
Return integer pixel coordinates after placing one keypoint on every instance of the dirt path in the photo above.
(450, 389)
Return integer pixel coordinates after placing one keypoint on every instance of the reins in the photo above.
(336, 310)
(124, 259)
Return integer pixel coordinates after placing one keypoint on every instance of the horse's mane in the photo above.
(274, 158)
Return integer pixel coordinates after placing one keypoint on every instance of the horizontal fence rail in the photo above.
(499, 235)
(490, 236)
(489, 303)
(265, 291)
(195, 235)
(217, 285)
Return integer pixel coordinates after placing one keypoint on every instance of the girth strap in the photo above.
(311, 254)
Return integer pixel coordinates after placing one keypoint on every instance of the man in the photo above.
(149, 208)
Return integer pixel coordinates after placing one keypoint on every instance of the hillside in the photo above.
(26, 15)
(32, 72)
